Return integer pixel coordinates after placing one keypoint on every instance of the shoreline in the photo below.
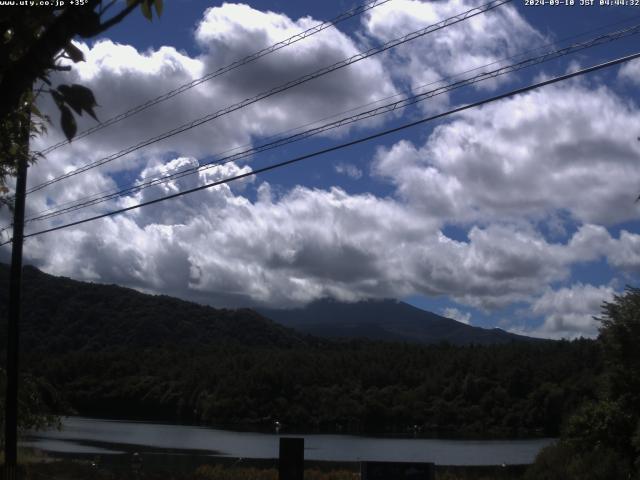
(83, 437)
(169, 457)
(293, 430)
(72, 466)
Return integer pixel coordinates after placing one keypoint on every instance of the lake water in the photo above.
(81, 435)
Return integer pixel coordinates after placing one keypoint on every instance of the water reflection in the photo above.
(104, 437)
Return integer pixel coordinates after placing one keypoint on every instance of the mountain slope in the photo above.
(60, 314)
(389, 320)
(111, 351)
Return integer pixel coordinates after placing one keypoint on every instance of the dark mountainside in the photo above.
(388, 320)
(61, 315)
(111, 351)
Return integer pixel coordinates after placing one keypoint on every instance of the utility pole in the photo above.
(15, 306)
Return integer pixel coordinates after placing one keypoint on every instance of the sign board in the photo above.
(291, 459)
(396, 471)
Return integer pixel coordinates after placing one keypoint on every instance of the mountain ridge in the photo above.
(61, 314)
(387, 319)
(64, 314)
(112, 351)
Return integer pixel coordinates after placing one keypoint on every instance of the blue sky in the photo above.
(518, 215)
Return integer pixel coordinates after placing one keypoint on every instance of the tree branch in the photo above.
(117, 18)
(37, 60)
(104, 9)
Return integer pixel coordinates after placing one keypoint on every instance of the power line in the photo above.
(450, 77)
(323, 71)
(221, 71)
(552, 55)
(343, 145)
(73, 205)
(118, 192)
(113, 193)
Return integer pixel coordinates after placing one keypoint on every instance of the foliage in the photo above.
(117, 352)
(602, 424)
(12, 144)
(36, 399)
(356, 386)
(36, 41)
(247, 470)
(602, 439)
(620, 337)
(485, 472)
(72, 470)
(218, 472)
(567, 461)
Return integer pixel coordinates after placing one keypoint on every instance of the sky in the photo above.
(520, 214)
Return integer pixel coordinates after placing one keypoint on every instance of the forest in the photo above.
(110, 351)
(357, 386)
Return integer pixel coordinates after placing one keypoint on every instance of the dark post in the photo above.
(291, 460)
(15, 289)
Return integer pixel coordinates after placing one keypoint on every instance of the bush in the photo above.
(564, 461)
(218, 472)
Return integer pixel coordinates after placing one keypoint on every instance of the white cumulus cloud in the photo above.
(569, 312)
(630, 72)
(475, 42)
(122, 77)
(456, 314)
(533, 182)
(559, 149)
(348, 169)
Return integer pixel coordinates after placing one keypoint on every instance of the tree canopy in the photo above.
(116, 352)
(602, 439)
(36, 41)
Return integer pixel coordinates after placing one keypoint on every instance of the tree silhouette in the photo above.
(35, 41)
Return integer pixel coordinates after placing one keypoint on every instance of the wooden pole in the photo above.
(15, 304)
(291, 459)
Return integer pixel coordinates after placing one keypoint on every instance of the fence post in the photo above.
(291, 459)
(11, 470)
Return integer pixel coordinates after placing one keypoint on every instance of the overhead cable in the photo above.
(119, 191)
(221, 71)
(381, 110)
(286, 86)
(317, 153)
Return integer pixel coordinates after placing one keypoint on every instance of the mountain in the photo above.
(60, 314)
(389, 320)
(104, 350)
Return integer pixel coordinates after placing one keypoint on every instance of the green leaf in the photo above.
(159, 7)
(57, 97)
(74, 53)
(79, 98)
(35, 111)
(146, 9)
(68, 123)
(131, 2)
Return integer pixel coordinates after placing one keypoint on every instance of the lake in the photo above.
(81, 435)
